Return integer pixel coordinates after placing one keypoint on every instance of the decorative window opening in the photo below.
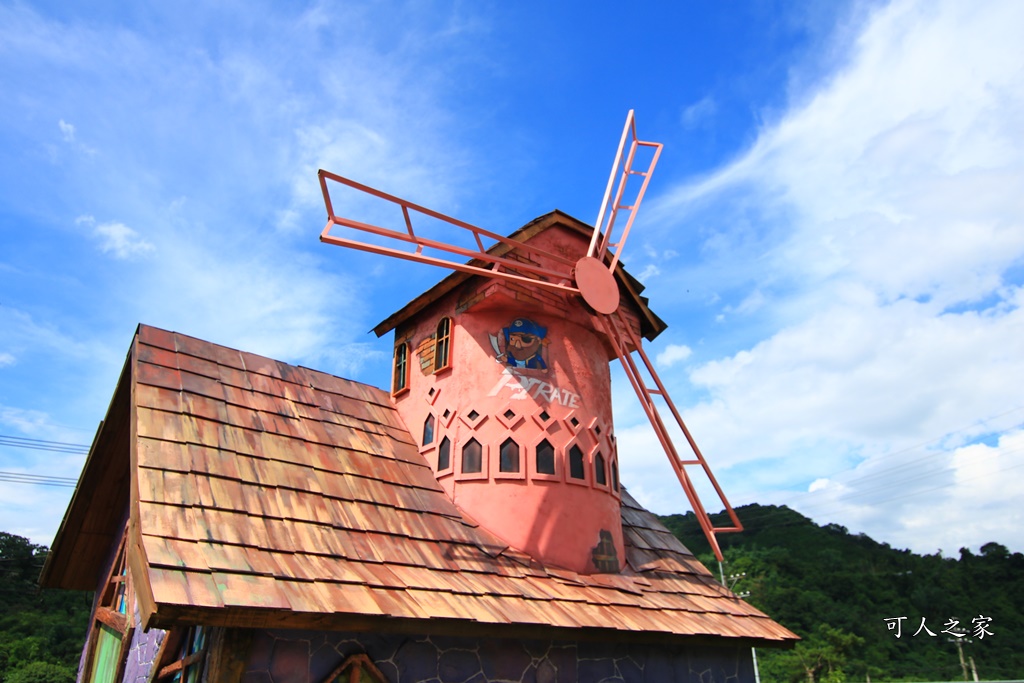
(472, 457)
(446, 413)
(400, 378)
(576, 463)
(428, 430)
(615, 475)
(112, 627)
(442, 344)
(473, 415)
(444, 455)
(574, 422)
(182, 655)
(545, 458)
(508, 459)
(597, 430)
(357, 669)
(599, 474)
(544, 416)
(509, 414)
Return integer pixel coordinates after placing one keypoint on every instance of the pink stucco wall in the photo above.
(562, 520)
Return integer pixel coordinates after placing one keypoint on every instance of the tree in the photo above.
(821, 657)
(42, 632)
(41, 672)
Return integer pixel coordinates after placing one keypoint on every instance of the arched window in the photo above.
(508, 459)
(472, 460)
(400, 377)
(444, 455)
(599, 474)
(576, 463)
(443, 344)
(615, 475)
(356, 668)
(428, 430)
(545, 458)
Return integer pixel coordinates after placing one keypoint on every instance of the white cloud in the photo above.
(699, 113)
(67, 131)
(929, 499)
(121, 241)
(874, 225)
(672, 354)
(6, 359)
(649, 271)
(116, 238)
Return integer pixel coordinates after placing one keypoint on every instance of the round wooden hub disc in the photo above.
(597, 285)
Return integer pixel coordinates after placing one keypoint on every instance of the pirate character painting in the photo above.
(520, 345)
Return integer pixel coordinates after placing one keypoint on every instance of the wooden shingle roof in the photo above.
(264, 494)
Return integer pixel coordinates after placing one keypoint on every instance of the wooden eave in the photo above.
(93, 521)
(250, 618)
(651, 324)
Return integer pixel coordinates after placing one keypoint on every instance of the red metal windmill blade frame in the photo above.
(618, 180)
(559, 280)
(592, 277)
(624, 341)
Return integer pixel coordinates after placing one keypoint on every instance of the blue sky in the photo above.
(835, 231)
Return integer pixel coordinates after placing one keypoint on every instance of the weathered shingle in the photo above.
(269, 494)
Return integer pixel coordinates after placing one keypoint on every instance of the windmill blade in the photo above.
(618, 181)
(625, 341)
(484, 260)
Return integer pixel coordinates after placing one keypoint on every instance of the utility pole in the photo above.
(960, 650)
(730, 584)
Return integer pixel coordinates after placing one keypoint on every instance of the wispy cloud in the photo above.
(699, 113)
(121, 241)
(67, 131)
(672, 354)
(116, 238)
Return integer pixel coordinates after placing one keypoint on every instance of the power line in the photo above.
(42, 445)
(42, 480)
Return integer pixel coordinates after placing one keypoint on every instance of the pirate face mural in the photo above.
(521, 345)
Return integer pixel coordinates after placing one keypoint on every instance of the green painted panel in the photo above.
(107, 655)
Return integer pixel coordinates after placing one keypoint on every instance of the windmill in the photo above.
(591, 279)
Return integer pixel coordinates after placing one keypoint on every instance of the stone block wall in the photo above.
(142, 653)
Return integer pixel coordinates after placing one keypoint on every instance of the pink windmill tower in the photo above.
(502, 370)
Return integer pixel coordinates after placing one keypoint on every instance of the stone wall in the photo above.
(308, 657)
(142, 652)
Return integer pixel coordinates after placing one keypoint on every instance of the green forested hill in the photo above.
(41, 632)
(836, 590)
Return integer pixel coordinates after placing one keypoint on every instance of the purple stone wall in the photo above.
(142, 652)
(308, 657)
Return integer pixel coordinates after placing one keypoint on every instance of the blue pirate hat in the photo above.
(526, 326)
